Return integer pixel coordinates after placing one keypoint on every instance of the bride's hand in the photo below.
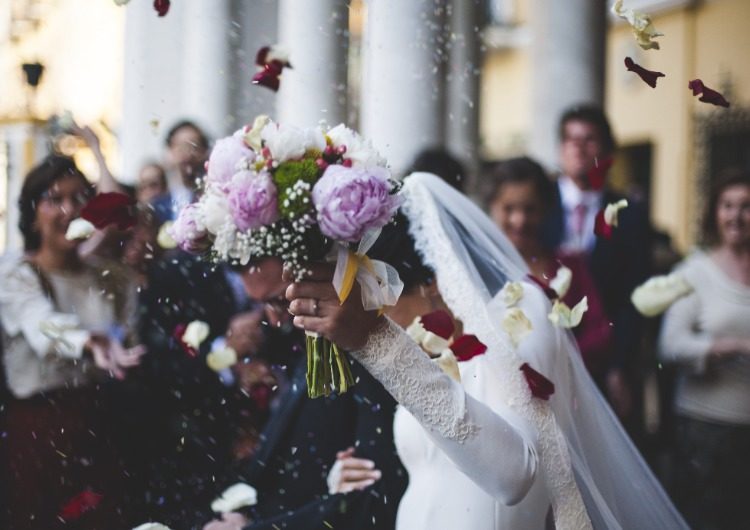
(350, 473)
(315, 306)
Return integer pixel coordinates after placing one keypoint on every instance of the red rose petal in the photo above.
(83, 502)
(708, 95)
(548, 291)
(267, 78)
(177, 334)
(466, 347)
(598, 174)
(438, 322)
(601, 228)
(540, 386)
(161, 6)
(649, 76)
(260, 57)
(260, 394)
(110, 208)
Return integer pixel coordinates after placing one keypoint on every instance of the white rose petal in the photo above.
(561, 282)
(449, 364)
(220, 359)
(164, 239)
(277, 53)
(612, 211)
(253, 137)
(152, 526)
(79, 229)
(516, 325)
(434, 344)
(564, 317)
(287, 142)
(511, 293)
(195, 333)
(235, 497)
(416, 330)
(658, 293)
(358, 150)
(641, 25)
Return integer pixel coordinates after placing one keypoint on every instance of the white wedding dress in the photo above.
(485, 453)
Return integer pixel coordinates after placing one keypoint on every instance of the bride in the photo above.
(485, 452)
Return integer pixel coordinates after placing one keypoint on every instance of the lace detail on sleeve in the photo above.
(433, 398)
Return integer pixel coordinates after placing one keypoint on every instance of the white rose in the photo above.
(235, 497)
(511, 293)
(358, 150)
(214, 210)
(195, 333)
(287, 142)
(220, 359)
(612, 211)
(561, 282)
(151, 526)
(516, 325)
(563, 316)
(658, 293)
(79, 229)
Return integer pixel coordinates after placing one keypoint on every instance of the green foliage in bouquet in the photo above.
(294, 180)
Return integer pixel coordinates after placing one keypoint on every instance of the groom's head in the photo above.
(263, 283)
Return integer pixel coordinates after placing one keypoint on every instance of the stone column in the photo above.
(567, 66)
(403, 108)
(206, 73)
(316, 36)
(462, 83)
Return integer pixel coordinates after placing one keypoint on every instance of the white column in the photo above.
(402, 87)
(152, 83)
(316, 35)
(257, 27)
(462, 76)
(567, 66)
(205, 64)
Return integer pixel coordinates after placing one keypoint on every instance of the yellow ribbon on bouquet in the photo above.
(378, 281)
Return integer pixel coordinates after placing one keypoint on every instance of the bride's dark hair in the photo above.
(396, 247)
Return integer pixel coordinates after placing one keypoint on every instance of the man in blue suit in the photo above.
(618, 264)
(303, 436)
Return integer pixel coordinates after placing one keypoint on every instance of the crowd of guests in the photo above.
(103, 402)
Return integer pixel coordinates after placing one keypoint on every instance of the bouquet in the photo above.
(302, 195)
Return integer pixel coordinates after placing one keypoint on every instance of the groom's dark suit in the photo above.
(299, 445)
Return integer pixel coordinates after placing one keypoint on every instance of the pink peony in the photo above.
(351, 201)
(188, 230)
(252, 200)
(226, 158)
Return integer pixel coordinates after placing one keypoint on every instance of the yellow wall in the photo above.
(504, 104)
(708, 42)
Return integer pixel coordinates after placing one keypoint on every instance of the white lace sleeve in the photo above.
(502, 461)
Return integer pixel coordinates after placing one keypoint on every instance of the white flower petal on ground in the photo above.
(516, 325)
(195, 333)
(79, 229)
(511, 293)
(612, 211)
(235, 497)
(164, 238)
(152, 526)
(658, 293)
(222, 358)
(641, 24)
(561, 282)
(563, 316)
